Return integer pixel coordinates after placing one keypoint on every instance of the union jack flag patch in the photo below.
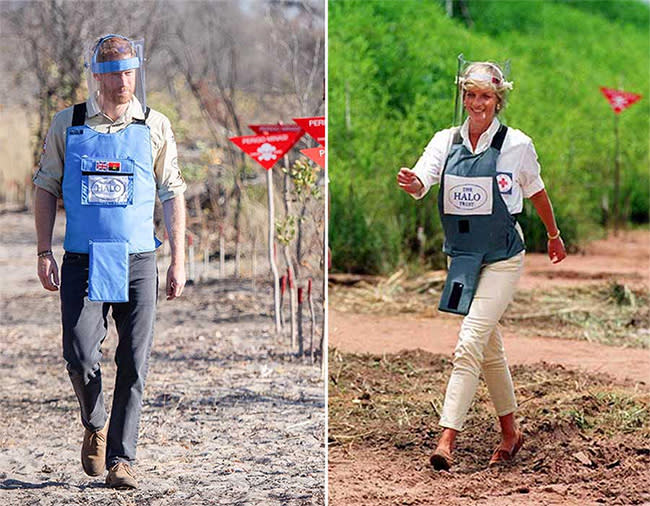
(104, 166)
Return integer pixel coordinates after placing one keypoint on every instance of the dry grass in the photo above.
(607, 312)
(16, 164)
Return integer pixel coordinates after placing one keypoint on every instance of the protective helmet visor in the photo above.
(115, 70)
(478, 73)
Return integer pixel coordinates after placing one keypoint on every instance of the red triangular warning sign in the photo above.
(618, 99)
(266, 149)
(315, 154)
(314, 126)
(273, 128)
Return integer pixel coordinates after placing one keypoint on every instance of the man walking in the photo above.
(107, 158)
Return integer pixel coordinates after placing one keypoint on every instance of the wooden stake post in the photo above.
(267, 150)
(617, 178)
(271, 250)
(619, 100)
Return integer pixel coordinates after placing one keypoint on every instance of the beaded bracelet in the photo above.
(46, 253)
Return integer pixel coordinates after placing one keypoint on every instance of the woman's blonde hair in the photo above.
(482, 75)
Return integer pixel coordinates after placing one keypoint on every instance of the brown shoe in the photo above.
(500, 455)
(121, 476)
(441, 460)
(93, 451)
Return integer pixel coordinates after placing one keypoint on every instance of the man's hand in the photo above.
(48, 273)
(175, 280)
(174, 212)
(408, 181)
(556, 251)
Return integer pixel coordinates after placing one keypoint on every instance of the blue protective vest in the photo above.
(109, 188)
(478, 227)
(109, 192)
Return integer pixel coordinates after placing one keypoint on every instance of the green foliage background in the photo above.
(392, 66)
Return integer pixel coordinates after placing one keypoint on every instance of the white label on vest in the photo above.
(108, 190)
(467, 195)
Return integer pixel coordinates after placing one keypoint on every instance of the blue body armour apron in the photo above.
(109, 192)
(478, 227)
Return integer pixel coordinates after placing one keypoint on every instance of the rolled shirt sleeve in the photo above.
(529, 177)
(50, 172)
(169, 180)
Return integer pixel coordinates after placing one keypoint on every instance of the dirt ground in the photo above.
(229, 416)
(383, 416)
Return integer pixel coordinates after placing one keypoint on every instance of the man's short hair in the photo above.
(114, 48)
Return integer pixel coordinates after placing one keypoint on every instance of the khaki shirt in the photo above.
(169, 180)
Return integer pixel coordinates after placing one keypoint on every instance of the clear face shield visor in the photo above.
(106, 60)
(493, 77)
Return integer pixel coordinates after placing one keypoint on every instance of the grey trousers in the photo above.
(84, 330)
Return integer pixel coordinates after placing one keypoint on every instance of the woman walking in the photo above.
(484, 170)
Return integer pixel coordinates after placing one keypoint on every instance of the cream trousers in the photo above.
(480, 346)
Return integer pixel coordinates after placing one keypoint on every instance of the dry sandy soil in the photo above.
(230, 416)
(381, 432)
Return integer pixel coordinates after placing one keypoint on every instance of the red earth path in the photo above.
(625, 259)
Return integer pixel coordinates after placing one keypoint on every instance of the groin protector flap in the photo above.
(108, 275)
(462, 279)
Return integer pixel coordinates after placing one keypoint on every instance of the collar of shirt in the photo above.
(484, 140)
(133, 111)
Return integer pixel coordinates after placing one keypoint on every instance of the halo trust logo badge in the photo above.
(467, 197)
(108, 189)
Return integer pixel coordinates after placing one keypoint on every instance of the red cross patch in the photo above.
(504, 182)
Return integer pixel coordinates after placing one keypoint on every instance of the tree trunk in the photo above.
(254, 264)
(237, 224)
(237, 257)
(292, 270)
(222, 254)
(292, 297)
(323, 362)
(312, 315)
(299, 254)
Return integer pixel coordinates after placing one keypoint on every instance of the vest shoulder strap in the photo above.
(497, 140)
(457, 139)
(142, 121)
(79, 114)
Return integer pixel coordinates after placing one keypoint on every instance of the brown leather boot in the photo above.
(121, 476)
(93, 451)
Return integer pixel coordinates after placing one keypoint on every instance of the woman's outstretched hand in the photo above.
(408, 181)
(556, 251)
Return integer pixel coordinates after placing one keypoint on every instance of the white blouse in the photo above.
(518, 171)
